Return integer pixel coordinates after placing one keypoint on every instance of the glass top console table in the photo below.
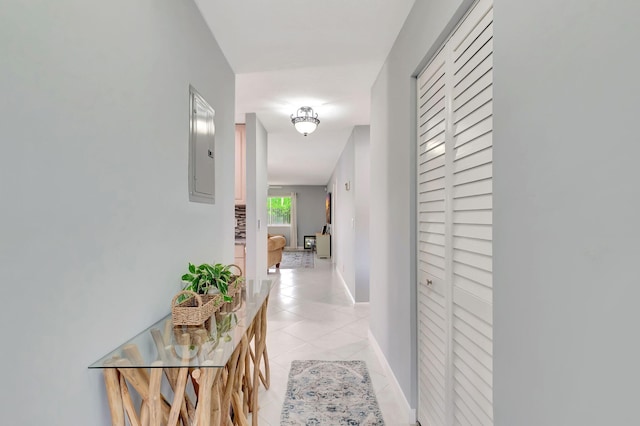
(221, 363)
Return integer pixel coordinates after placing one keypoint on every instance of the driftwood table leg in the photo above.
(155, 407)
(174, 377)
(144, 413)
(256, 373)
(216, 407)
(260, 342)
(239, 408)
(203, 409)
(246, 385)
(129, 408)
(229, 384)
(139, 379)
(116, 406)
(178, 397)
(195, 379)
(248, 377)
(254, 392)
(266, 379)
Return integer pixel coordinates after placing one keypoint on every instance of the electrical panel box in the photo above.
(202, 165)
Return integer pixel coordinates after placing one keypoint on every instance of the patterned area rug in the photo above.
(330, 393)
(296, 259)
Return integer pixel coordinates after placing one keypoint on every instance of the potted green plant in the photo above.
(207, 278)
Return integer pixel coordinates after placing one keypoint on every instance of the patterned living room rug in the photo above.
(330, 393)
(297, 259)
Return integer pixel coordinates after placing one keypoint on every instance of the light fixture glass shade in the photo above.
(305, 127)
(305, 121)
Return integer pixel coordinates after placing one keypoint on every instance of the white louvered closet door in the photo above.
(432, 306)
(455, 297)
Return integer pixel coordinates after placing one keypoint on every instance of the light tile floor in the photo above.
(311, 316)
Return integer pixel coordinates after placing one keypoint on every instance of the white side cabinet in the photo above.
(323, 245)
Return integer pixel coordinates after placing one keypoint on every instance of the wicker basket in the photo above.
(239, 274)
(196, 309)
(235, 291)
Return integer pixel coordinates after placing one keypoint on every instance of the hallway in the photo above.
(311, 317)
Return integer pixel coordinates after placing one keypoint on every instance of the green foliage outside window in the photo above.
(279, 210)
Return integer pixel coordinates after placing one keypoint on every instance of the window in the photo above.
(279, 211)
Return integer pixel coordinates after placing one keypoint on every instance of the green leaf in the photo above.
(192, 268)
(187, 277)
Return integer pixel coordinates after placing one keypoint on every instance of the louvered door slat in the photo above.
(427, 145)
(433, 108)
(432, 206)
(468, 394)
(475, 78)
(483, 81)
(465, 303)
(434, 152)
(466, 40)
(474, 132)
(471, 161)
(474, 145)
(428, 175)
(473, 274)
(480, 261)
(474, 188)
(476, 375)
(432, 249)
(473, 202)
(474, 103)
(479, 57)
(432, 165)
(462, 415)
(481, 356)
(473, 231)
(473, 245)
(473, 287)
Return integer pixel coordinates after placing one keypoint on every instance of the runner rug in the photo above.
(330, 393)
(297, 259)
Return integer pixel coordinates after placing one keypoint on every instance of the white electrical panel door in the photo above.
(201, 150)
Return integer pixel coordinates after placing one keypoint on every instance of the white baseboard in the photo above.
(346, 287)
(410, 413)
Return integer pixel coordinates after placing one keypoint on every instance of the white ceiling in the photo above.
(291, 53)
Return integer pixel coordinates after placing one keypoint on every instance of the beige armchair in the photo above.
(275, 246)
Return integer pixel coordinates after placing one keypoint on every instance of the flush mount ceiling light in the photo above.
(305, 121)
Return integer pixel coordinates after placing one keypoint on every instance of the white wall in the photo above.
(284, 230)
(392, 220)
(96, 227)
(343, 205)
(361, 187)
(566, 227)
(350, 227)
(257, 187)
